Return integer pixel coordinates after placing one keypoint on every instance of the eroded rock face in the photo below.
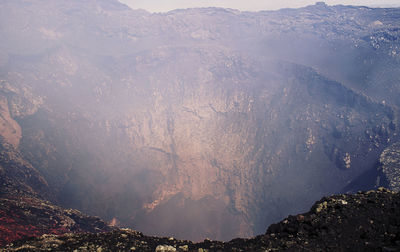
(190, 149)
(15, 102)
(196, 116)
(10, 130)
(18, 177)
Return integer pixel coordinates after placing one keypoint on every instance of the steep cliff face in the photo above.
(198, 131)
(19, 177)
(154, 120)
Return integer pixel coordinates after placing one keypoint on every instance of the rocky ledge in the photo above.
(23, 217)
(366, 221)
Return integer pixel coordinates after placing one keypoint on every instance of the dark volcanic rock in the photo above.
(22, 217)
(226, 121)
(367, 221)
(390, 160)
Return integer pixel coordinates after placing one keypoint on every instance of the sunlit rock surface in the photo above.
(390, 160)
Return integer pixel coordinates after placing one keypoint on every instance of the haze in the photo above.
(250, 5)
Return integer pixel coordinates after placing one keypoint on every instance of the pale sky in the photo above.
(245, 5)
